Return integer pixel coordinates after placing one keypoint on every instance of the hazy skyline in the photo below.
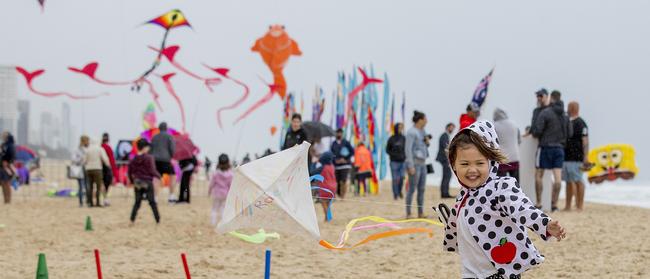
(595, 52)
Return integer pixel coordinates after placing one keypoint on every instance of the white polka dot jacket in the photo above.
(498, 214)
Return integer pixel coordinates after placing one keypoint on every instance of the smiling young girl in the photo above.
(487, 225)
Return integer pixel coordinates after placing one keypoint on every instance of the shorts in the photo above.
(550, 157)
(364, 175)
(165, 168)
(571, 172)
(342, 175)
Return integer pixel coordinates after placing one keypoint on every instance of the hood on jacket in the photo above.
(396, 129)
(558, 107)
(485, 129)
(499, 115)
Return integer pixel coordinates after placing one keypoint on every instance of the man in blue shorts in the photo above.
(552, 129)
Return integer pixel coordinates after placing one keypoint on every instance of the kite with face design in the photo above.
(611, 162)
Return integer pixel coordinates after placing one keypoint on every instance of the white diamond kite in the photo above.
(272, 193)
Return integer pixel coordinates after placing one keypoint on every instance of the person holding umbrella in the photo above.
(185, 155)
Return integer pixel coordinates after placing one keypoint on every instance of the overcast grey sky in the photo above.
(595, 52)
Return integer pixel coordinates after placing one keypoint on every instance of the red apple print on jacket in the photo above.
(504, 253)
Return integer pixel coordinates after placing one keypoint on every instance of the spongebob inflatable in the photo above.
(611, 162)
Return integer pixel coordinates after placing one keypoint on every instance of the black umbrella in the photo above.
(317, 130)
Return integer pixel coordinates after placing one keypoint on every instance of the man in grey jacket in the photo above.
(162, 149)
(416, 154)
(552, 129)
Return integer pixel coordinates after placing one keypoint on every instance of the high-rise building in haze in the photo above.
(50, 130)
(8, 101)
(66, 127)
(22, 133)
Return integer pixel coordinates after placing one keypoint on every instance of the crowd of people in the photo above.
(562, 136)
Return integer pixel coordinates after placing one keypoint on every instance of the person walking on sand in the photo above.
(575, 158)
(220, 183)
(343, 152)
(395, 147)
(78, 157)
(363, 164)
(443, 143)
(416, 155)
(94, 159)
(7, 157)
(162, 149)
(109, 172)
(142, 171)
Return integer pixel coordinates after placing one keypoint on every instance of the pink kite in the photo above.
(29, 78)
(224, 73)
(365, 82)
(171, 90)
(170, 53)
(91, 68)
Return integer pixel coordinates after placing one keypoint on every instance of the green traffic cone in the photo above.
(41, 269)
(89, 224)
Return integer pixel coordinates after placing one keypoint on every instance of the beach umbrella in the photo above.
(24, 154)
(185, 148)
(317, 130)
(272, 193)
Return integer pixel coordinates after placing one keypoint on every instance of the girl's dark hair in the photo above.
(296, 116)
(224, 162)
(468, 137)
(224, 167)
(417, 115)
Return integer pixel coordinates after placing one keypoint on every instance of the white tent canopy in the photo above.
(272, 193)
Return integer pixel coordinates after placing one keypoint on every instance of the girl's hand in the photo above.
(555, 229)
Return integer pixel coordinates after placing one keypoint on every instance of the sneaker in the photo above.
(554, 208)
(107, 203)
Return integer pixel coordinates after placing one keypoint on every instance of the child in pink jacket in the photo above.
(219, 187)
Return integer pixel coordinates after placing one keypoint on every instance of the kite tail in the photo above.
(171, 90)
(236, 103)
(377, 236)
(280, 83)
(259, 103)
(154, 94)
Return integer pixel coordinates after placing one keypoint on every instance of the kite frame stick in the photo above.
(185, 267)
(98, 264)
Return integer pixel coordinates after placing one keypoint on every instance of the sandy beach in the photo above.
(604, 241)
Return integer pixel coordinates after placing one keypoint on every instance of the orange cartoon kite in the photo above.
(275, 48)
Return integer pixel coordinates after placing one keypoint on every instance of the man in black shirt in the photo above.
(296, 134)
(575, 158)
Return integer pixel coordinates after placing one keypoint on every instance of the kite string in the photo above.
(371, 202)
